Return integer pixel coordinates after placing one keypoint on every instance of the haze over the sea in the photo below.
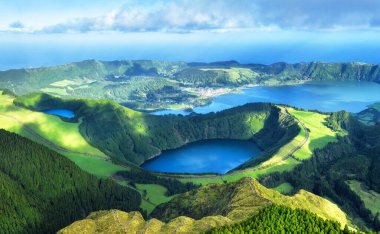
(43, 33)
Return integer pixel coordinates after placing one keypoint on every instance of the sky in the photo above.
(39, 33)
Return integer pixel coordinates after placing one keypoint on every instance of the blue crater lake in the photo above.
(327, 96)
(60, 112)
(218, 156)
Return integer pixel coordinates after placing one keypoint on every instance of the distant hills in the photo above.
(145, 84)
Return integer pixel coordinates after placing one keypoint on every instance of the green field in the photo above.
(369, 197)
(155, 195)
(284, 188)
(61, 136)
(320, 134)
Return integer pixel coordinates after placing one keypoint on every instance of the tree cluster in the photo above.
(41, 191)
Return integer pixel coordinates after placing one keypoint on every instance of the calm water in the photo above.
(60, 112)
(217, 156)
(324, 96)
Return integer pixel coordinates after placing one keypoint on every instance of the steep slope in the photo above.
(282, 219)
(42, 191)
(355, 158)
(371, 115)
(115, 221)
(133, 136)
(242, 199)
(214, 206)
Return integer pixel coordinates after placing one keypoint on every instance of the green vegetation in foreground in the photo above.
(370, 198)
(42, 191)
(52, 131)
(115, 222)
(217, 205)
(282, 219)
(242, 199)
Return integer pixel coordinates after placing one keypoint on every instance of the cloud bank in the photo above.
(184, 16)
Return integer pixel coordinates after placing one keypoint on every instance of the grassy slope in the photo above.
(284, 188)
(115, 221)
(155, 195)
(369, 197)
(235, 202)
(320, 135)
(61, 133)
(242, 199)
(42, 191)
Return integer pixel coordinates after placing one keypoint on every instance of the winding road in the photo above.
(306, 135)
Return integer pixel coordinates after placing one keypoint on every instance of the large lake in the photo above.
(217, 156)
(324, 96)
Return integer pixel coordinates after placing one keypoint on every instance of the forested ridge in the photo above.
(42, 191)
(282, 219)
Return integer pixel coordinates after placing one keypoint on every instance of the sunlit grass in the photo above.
(284, 188)
(370, 198)
(320, 134)
(154, 194)
(61, 133)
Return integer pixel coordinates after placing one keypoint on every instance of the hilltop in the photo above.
(198, 211)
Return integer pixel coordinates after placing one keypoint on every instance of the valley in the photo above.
(282, 146)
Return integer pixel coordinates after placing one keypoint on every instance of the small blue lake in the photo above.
(60, 112)
(218, 156)
(327, 96)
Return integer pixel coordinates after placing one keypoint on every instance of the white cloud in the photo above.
(185, 16)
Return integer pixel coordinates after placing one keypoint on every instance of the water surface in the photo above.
(60, 112)
(217, 156)
(331, 96)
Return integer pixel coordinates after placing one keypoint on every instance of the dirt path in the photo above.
(306, 135)
(37, 137)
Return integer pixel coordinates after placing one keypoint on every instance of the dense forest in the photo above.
(355, 157)
(282, 219)
(42, 191)
(133, 137)
(173, 186)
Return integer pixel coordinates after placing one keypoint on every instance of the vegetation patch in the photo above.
(369, 197)
(42, 191)
(282, 219)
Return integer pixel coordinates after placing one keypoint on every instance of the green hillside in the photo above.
(144, 136)
(346, 171)
(217, 206)
(371, 115)
(281, 219)
(242, 199)
(42, 191)
(145, 84)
